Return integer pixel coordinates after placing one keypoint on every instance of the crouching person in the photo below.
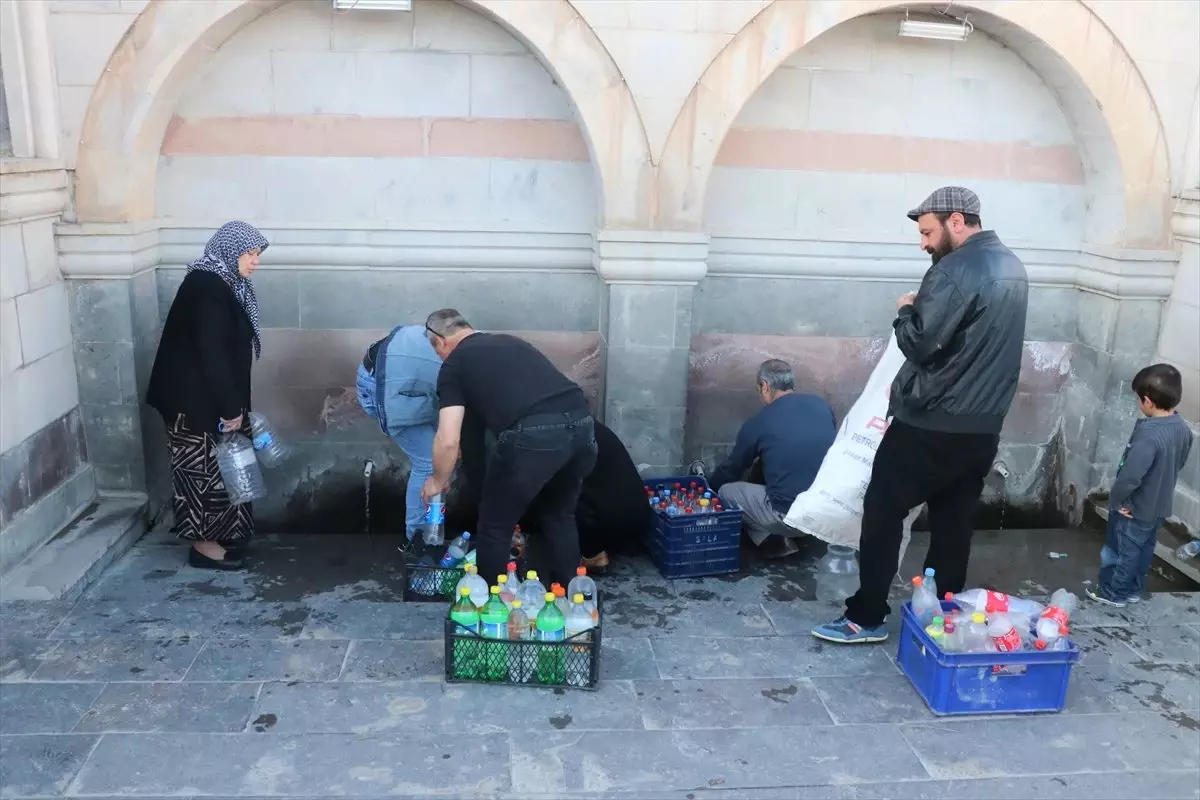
(397, 385)
(789, 437)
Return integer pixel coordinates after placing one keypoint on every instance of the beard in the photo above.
(942, 249)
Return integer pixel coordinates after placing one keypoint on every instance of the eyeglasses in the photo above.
(432, 331)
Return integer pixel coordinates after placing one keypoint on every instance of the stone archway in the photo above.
(132, 105)
(1117, 124)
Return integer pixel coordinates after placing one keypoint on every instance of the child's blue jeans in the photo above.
(1125, 559)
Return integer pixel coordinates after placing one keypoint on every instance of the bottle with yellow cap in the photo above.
(578, 630)
(550, 625)
(466, 652)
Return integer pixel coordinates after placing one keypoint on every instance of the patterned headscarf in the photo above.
(221, 256)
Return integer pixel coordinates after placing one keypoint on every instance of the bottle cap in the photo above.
(549, 597)
(1063, 630)
(531, 575)
(917, 580)
(949, 597)
(466, 535)
(465, 592)
(512, 566)
(578, 598)
(470, 569)
(581, 570)
(494, 590)
(979, 617)
(559, 591)
(555, 586)
(517, 604)
(939, 620)
(1040, 644)
(929, 573)
(950, 626)
(501, 579)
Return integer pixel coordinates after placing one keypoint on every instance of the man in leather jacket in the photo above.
(963, 337)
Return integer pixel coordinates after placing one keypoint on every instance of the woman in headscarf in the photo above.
(201, 385)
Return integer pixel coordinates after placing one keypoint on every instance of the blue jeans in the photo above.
(1126, 556)
(416, 442)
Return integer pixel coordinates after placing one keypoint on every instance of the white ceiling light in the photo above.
(953, 30)
(372, 5)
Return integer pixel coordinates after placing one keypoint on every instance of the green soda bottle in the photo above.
(551, 627)
(495, 626)
(467, 649)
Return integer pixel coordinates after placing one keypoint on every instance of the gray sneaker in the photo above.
(843, 631)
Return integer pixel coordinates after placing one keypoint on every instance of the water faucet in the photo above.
(1001, 469)
(368, 468)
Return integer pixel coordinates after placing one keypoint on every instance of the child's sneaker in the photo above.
(1099, 596)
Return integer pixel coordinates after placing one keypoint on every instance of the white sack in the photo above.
(831, 509)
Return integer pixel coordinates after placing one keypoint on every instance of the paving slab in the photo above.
(775, 657)
(532, 712)
(170, 708)
(368, 620)
(626, 658)
(31, 618)
(317, 765)
(44, 707)
(119, 659)
(32, 766)
(268, 660)
(164, 619)
(21, 656)
(730, 703)
(1170, 690)
(406, 708)
(263, 620)
(1162, 643)
(679, 617)
(395, 661)
(733, 760)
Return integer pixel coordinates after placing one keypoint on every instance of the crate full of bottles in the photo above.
(695, 532)
(521, 633)
(433, 570)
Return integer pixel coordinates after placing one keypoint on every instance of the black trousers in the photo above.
(536, 470)
(914, 466)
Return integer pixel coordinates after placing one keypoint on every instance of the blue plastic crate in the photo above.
(1025, 682)
(695, 546)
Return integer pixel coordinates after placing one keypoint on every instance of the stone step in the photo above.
(1163, 551)
(67, 563)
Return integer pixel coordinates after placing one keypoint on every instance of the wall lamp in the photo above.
(372, 5)
(953, 30)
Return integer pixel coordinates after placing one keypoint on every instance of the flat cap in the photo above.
(948, 200)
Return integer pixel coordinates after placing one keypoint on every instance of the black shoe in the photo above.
(235, 550)
(200, 561)
(406, 545)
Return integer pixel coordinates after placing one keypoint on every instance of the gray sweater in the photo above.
(1157, 451)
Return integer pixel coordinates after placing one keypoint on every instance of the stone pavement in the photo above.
(306, 677)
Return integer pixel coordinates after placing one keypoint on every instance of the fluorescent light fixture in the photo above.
(955, 31)
(372, 5)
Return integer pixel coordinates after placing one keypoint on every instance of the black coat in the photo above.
(202, 369)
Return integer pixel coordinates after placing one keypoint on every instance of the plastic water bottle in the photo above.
(521, 658)
(1003, 633)
(951, 637)
(925, 605)
(270, 448)
(578, 627)
(434, 534)
(929, 582)
(1189, 550)
(534, 595)
(239, 469)
(514, 582)
(996, 602)
(584, 585)
(456, 553)
(837, 573)
(937, 629)
(466, 652)
(974, 635)
(506, 594)
(476, 586)
(560, 598)
(1049, 631)
(494, 626)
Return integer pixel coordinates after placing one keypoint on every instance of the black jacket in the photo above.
(202, 369)
(963, 338)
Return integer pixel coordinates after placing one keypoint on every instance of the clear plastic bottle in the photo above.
(476, 586)
(1189, 550)
(996, 602)
(560, 598)
(925, 605)
(514, 582)
(583, 584)
(456, 553)
(521, 657)
(579, 659)
(936, 629)
(929, 581)
(951, 637)
(974, 635)
(534, 595)
(551, 627)
(506, 594)
(837, 573)
(239, 469)
(1003, 633)
(1062, 606)
(434, 534)
(270, 448)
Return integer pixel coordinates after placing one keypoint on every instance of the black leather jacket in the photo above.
(963, 338)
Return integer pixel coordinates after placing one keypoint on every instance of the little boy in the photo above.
(1140, 498)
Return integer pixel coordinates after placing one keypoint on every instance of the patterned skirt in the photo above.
(202, 508)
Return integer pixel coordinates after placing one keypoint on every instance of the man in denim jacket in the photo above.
(397, 385)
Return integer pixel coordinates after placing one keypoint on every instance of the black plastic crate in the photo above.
(429, 583)
(570, 664)
(695, 545)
